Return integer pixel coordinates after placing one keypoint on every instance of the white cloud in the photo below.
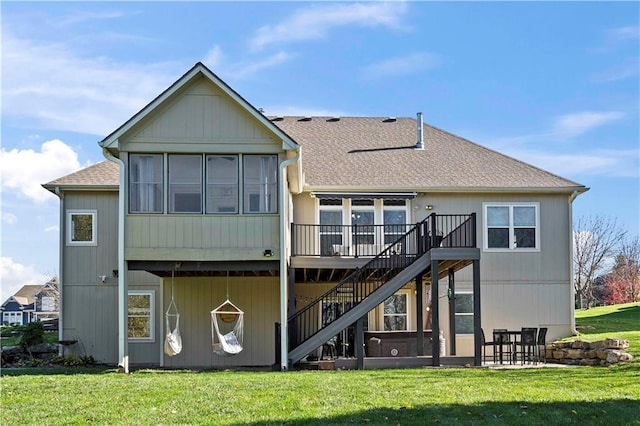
(213, 58)
(621, 163)
(315, 22)
(572, 125)
(409, 64)
(48, 85)
(24, 171)
(628, 69)
(53, 228)
(14, 275)
(631, 32)
(9, 218)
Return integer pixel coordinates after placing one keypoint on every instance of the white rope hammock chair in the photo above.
(173, 340)
(227, 328)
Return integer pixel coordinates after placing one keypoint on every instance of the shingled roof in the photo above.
(104, 174)
(379, 153)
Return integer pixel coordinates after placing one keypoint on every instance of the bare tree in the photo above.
(624, 279)
(595, 242)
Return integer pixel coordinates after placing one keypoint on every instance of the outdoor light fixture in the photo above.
(267, 253)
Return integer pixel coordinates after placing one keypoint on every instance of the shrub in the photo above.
(33, 335)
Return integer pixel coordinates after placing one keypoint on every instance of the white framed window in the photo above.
(12, 318)
(185, 184)
(331, 229)
(222, 183)
(82, 227)
(511, 226)
(394, 218)
(48, 304)
(260, 183)
(395, 312)
(145, 183)
(140, 316)
(464, 312)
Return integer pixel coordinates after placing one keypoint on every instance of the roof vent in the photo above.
(420, 143)
(307, 118)
(278, 118)
(333, 119)
(389, 120)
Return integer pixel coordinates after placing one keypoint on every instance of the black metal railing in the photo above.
(434, 231)
(371, 240)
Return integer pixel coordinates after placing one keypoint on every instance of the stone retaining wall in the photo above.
(603, 352)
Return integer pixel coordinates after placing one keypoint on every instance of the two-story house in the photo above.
(33, 302)
(371, 235)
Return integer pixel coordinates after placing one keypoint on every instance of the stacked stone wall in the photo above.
(603, 352)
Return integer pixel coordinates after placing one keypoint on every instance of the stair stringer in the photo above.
(381, 294)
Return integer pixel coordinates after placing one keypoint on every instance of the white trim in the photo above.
(407, 294)
(511, 248)
(94, 227)
(152, 316)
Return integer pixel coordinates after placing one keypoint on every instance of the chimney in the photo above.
(420, 143)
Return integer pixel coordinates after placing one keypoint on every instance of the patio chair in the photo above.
(502, 341)
(526, 347)
(485, 345)
(541, 355)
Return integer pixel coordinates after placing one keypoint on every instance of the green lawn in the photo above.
(571, 395)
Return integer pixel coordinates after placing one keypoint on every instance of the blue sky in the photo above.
(555, 84)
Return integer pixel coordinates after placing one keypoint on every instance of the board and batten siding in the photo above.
(200, 118)
(196, 297)
(201, 237)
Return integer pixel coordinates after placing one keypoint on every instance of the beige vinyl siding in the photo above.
(200, 118)
(201, 237)
(257, 297)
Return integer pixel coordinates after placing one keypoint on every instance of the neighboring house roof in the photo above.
(369, 153)
(103, 175)
(28, 294)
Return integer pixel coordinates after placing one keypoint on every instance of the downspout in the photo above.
(572, 296)
(123, 350)
(63, 236)
(284, 296)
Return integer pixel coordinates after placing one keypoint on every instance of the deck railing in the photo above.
(434, 231)
(370, 240)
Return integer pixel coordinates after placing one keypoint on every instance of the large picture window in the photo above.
(260, 183)
(140, 315)
(185, 183)
(81, 228)
(145, 183)
(511, 226)
(222, 184)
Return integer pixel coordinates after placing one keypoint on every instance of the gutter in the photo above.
(63, 236)
(284, 296)
(122, 269)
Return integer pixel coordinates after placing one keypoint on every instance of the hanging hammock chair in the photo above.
(227, 326)
(173, 340)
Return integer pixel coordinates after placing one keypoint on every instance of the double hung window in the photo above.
(464, 313)
(396, 312)
(140, 315)
(145, 177)
(512, 226)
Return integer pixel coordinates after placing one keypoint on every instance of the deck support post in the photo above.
(359, 349)
(477, 325)
(451, 292)
(419, 316)
(435, 313)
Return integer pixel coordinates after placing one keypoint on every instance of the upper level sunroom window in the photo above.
(203, 183)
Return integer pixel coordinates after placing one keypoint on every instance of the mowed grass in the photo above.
(572, 395)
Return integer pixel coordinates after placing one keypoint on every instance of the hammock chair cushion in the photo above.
(229, 343)
(173, 340)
